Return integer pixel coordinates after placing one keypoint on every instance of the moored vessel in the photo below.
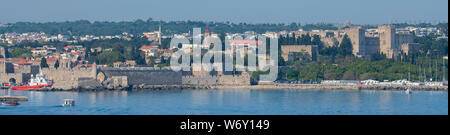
(35, 83)
(68, 103)
(10, 103)
(408, 91)
(5, 85)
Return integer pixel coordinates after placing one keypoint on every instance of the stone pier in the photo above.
(13, 98)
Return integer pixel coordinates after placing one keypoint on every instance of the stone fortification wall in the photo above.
(141, 76)
(14, 77)
(32, 69)
(312, 50)
(9, 74)
(243, 79)
(68, 78)
(2, 52)
(69, 74)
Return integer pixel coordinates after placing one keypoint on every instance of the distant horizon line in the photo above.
(432, 22)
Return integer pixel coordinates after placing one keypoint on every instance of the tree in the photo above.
(44, 63)
(377, 57)
(307, 39)
(302, 56)
(346, 47)
(312, 71)
(163, 60)
(56, 64)
(20, 52)
(349, 75)
(292, 75)
(257, 74)
(316, 41)
(151, 60)
(109, 57)
(5, 49)
(366, 76)
(330, 51)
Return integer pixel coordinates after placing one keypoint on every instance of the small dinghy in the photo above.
(408, 91)
(68, 103)
(10, 103)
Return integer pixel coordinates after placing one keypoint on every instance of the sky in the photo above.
(236, 11)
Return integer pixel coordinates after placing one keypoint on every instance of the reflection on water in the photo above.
(244, 102)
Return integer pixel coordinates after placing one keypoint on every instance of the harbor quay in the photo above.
(93, 77)
(333, 87)
(13, 98)
(266, 87)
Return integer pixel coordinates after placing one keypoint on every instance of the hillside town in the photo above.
(70, 67)
(222, 62)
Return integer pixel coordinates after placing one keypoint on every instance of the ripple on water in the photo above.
(239, 102)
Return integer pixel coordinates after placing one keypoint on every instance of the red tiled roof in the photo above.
(76, 53)
(147, 47)
(17, 60)
(130, 62)
(51, 59)
(250, 42)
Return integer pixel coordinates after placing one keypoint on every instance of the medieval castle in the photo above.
(386, 40)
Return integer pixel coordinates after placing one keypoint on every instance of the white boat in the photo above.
(408, 91)
(36, 82)
(10, 103)
(68, 102)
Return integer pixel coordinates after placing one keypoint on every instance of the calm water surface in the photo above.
(234, 102)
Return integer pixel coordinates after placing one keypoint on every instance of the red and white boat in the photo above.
(35, 83)
(5, 85)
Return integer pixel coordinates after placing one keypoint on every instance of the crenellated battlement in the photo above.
(134, 68)
(217, 80)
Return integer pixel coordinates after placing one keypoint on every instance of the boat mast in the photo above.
(437, 75)
(424, 74)
(443, 70)
(431, 70)
(409, 71)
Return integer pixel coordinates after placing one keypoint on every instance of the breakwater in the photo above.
(266, 87)
(333, 87)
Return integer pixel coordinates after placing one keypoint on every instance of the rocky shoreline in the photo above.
(335, 87)
(261, 87)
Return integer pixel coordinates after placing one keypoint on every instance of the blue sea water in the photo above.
(232, 102)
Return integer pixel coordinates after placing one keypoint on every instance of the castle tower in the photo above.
(388, 46)
(94, 70)
(65, 64)
(2, 52)
(6, 67)
(357, 36)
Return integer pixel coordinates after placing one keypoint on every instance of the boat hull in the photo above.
(33, 87)
(10, 103)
